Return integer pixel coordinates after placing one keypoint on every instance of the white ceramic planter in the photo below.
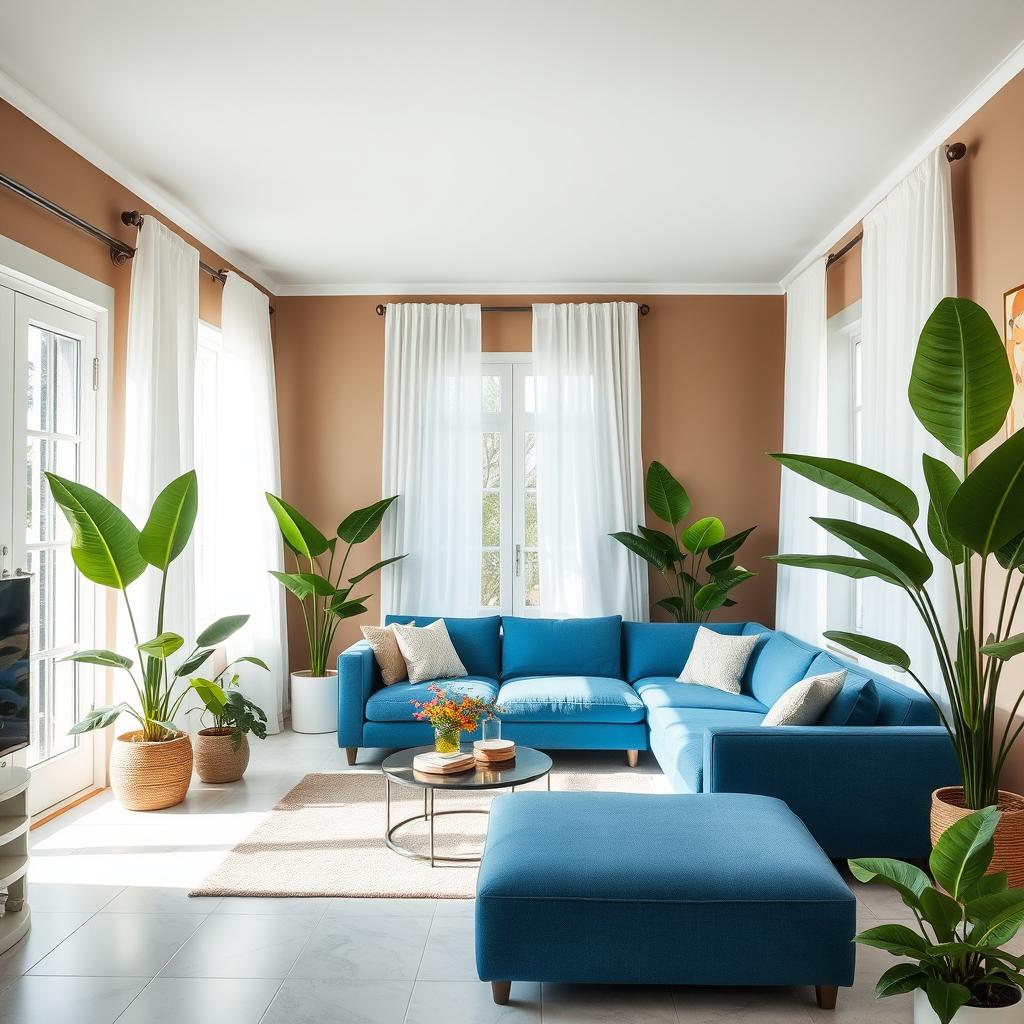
(314, 702)
(924, 1014)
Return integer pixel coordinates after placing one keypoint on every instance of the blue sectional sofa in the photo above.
(860, 780)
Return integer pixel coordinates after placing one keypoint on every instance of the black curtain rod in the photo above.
(120, 252)
(381, 309)
(954, 151)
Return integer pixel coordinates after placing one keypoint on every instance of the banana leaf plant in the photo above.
(698, 563)
(325, 600)
(110, 551)
(960, 390)
(956, 953)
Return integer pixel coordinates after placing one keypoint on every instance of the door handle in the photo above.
(22, 572)
(3, 562)
(519, 560)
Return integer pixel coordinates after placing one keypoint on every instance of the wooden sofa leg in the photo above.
(826, 996)
(350, 753)
(632, 758)
(500, 991)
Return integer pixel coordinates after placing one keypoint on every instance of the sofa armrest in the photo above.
(862, 791)
(358, 677)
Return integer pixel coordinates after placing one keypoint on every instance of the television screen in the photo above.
(15, 594)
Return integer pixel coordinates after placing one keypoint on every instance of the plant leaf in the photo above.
(251, 659)
(217, 632)
(997, 881)
(908, 564)
(1004, 650)
(362, 524)
(712, 595)
(907, 880)
(964, 851)
(104, 541)
(106, 659)
(301, 584)
(999, 916)
(162, 646)
(651, 553)
(663, 540)
(673, 605)
(193, 663)
(298, 532)
(941, 912)
(211, 694)
(99, 718)
(942, 484)
(870, 647)
(1011, 554)
(170, 521)
(665, 495)
(720, 566)
(843, 565)
(730, 545)
(699, 536)
(373, 568)
(346, 609)
(946, 997)
(867, 485)
(897, 939)
(960, 384)
(988, 506)
(900, 979)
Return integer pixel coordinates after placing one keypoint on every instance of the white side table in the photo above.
(14, 822)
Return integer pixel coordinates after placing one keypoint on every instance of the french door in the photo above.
(50, 381)
(510, 577)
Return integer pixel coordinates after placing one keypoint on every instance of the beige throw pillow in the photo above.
(385, 647)
(429, 652)
(805, 702)
(718, 660)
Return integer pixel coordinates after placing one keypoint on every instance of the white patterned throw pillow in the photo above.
(429, 652)
(805, 702)
(718, 660)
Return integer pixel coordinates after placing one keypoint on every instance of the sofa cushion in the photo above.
(569, 699)
(661, 648)
(477, 641)
(668, 692)
(394, 703)
(677, 740)
(777, 663)
(718, 661)
(805, 702)
(857, 703)
(566, 647)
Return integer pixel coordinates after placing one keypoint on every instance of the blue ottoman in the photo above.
(621, 888)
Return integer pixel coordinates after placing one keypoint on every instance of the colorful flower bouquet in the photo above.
(450, 715)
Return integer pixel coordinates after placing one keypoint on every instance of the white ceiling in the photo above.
(466, 145)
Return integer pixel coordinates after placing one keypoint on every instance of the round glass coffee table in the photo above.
(528, 766)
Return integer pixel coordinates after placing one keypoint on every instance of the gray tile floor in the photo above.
(116, 938)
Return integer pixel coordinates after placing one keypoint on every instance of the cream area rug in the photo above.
(326, 838)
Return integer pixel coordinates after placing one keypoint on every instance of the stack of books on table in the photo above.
(443, 764)
(494, 752)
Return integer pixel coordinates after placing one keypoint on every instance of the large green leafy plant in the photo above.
(697, 563)
(324, 599)
(955, 955)
(960, 390)
(109, 550)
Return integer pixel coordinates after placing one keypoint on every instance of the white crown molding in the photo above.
(33, 107)
(1010, 66)
(529, 288)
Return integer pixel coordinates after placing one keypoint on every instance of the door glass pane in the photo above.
(492, 519)
(530, 459)
(492, 459)
(491, 393)
(64, 701)
(530, 531)
(63, 598)
(531, 572)
(65, 384)
(38, 379)
(40, 709)
(490, 582)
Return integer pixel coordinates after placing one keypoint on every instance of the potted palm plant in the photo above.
(960, 390)
(325, 596)
(222, 749)
(954, 961)
(698, 563)
(150, 767)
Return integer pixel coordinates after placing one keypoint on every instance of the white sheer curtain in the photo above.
(432, 459)
(247, 541)
(801, 593)
(909, 264)
(163, 321)
(586, 365)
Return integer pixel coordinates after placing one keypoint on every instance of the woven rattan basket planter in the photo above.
(215, 760)
(146, 776)
(948, 807)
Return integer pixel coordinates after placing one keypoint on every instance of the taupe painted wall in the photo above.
(711, 380)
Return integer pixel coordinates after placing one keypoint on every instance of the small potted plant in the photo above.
(150, 767)
(222, 749)
(325, 600)
(451, 716)
(955, 961)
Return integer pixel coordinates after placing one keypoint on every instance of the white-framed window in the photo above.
(207, 456)
(510, 580)
(845, 441)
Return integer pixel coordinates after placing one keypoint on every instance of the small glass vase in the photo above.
(447, 741)
(490, 729)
